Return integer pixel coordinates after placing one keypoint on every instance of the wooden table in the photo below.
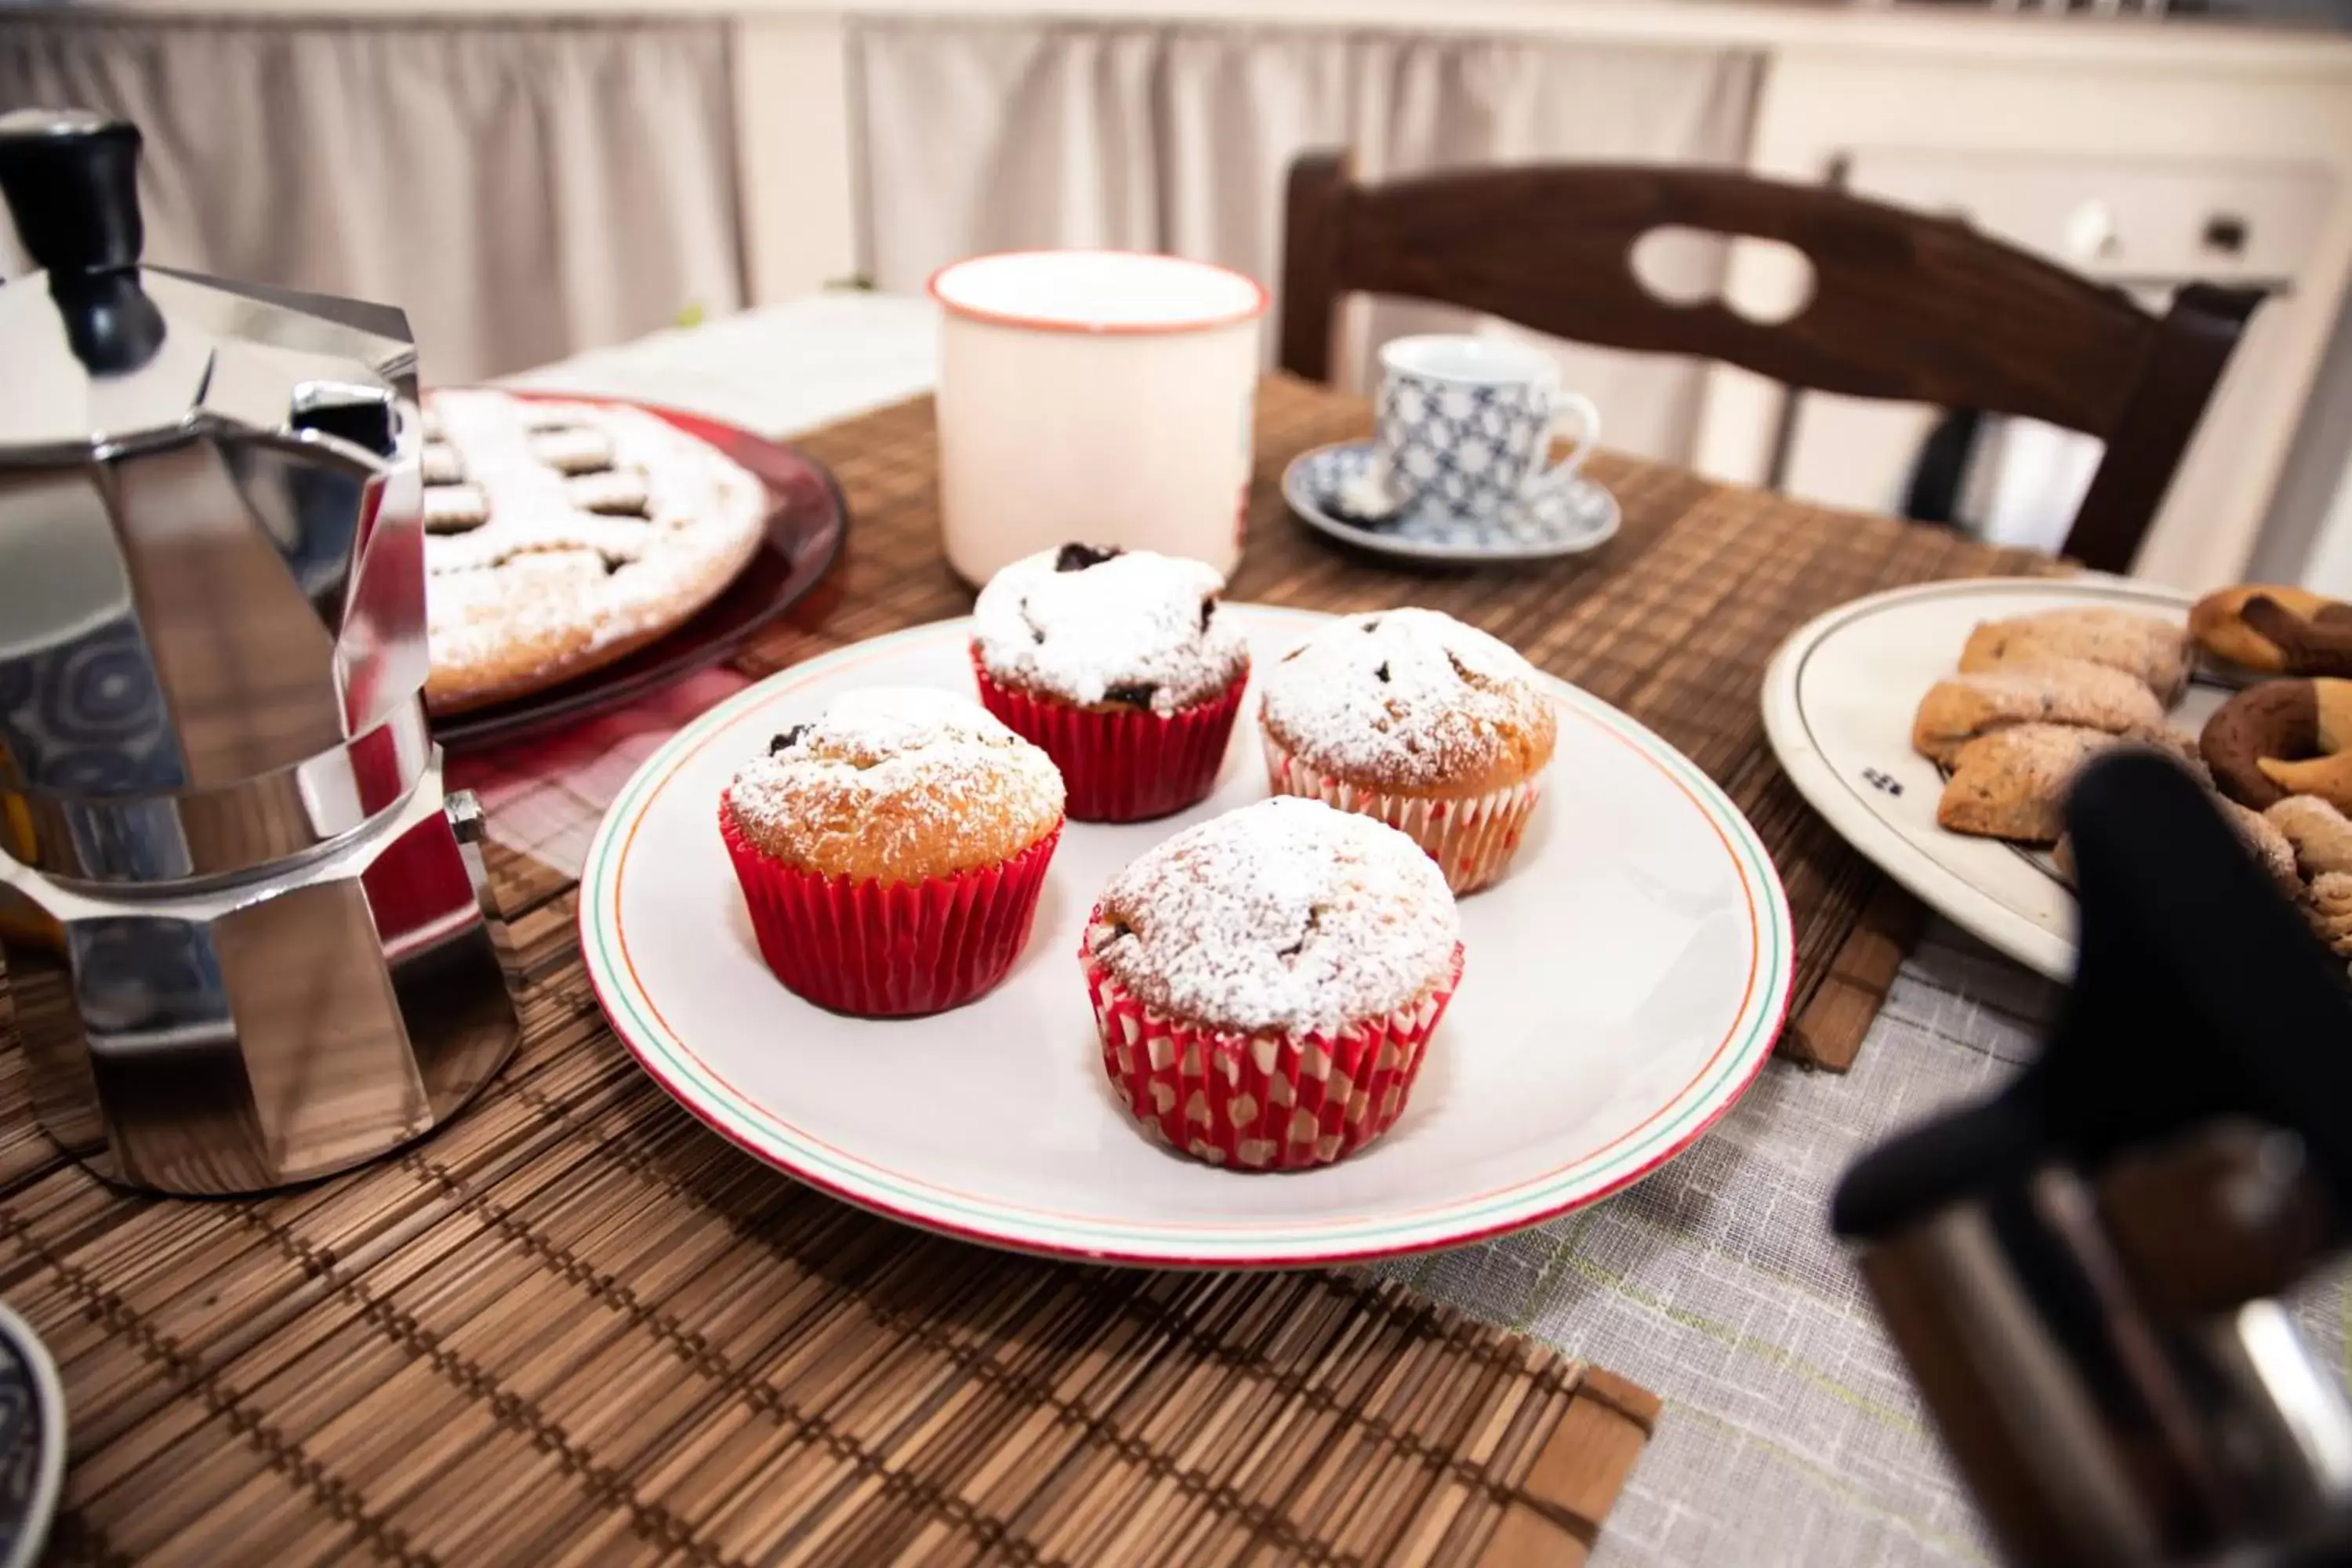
(575, 1327)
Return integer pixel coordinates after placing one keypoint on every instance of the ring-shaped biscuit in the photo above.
(2283, 738)
(2274, 631)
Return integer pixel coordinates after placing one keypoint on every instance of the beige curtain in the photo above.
(524, 190)
(984, 137)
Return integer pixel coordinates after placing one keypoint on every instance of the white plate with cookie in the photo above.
(1623, 983)
(1840, 698)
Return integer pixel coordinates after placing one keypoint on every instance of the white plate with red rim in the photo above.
(1623, 985)
(1838, 702)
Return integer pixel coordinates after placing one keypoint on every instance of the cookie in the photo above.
(2154, 651)
(2013, 783)
(2321, 834)
(2328, 907)
(2275, 629)
(2059, 691)
(2265, 842)
(2283, 738)
(544, 575)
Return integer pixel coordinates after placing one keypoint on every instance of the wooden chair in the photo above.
(1903, 305)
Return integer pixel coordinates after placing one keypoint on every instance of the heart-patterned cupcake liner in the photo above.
(1268, 1102)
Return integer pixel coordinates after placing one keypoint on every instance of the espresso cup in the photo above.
(1466, 423)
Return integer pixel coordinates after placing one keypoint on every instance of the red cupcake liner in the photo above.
(888, 950)
(1275, 1101)
(1472, 838)
(1123, 766)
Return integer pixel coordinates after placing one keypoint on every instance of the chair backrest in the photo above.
(1903, 305)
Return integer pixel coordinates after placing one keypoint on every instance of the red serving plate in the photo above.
(807, 521)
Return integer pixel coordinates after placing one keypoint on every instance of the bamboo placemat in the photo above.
(1673, 621)
(576, 1327)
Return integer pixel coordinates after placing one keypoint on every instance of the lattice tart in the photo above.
(560, 536)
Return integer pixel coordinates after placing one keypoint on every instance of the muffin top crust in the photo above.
(1104, 628)
(896, 785)
(1283, 916)
(1413, 701)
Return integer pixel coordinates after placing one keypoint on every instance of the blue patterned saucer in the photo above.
(1558, 518)
(32, 1442)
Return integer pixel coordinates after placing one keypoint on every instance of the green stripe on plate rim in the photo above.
(600, 916)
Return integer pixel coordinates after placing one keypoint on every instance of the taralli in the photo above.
(2322, 836)
(2329, 908)
(2275, 629)
(2283, 738)
(2266, 842)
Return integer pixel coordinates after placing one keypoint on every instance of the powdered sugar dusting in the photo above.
(1132, 621)
(1406, 697)
(488, 600)
(1286, 915)
(913, 774)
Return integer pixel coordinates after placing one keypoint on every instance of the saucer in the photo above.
(1557, 517)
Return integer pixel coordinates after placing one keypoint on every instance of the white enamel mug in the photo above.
(1102, 396)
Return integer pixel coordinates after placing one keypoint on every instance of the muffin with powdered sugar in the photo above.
(892, 849)
(1116, 663)
(1433, 727)
(1265, 985)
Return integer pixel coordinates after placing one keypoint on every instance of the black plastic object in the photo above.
(71, 181)
(2201, 993)
(364, 421)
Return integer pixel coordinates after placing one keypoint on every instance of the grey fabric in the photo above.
(1791, 1432)
(524, 190)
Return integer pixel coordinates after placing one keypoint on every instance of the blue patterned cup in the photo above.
(1466, 423)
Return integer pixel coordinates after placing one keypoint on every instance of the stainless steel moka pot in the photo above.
(245, 926)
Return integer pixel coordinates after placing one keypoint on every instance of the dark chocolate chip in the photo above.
(1371, 626)
(788, 740)
(1382, 673)
(1314, 920)
(1133, 696)
(1208, 609)
(1078, 557)
(614, 563)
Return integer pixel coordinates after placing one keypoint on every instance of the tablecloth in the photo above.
(1791, 1432)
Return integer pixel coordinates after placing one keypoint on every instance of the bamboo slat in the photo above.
(574, 1327)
